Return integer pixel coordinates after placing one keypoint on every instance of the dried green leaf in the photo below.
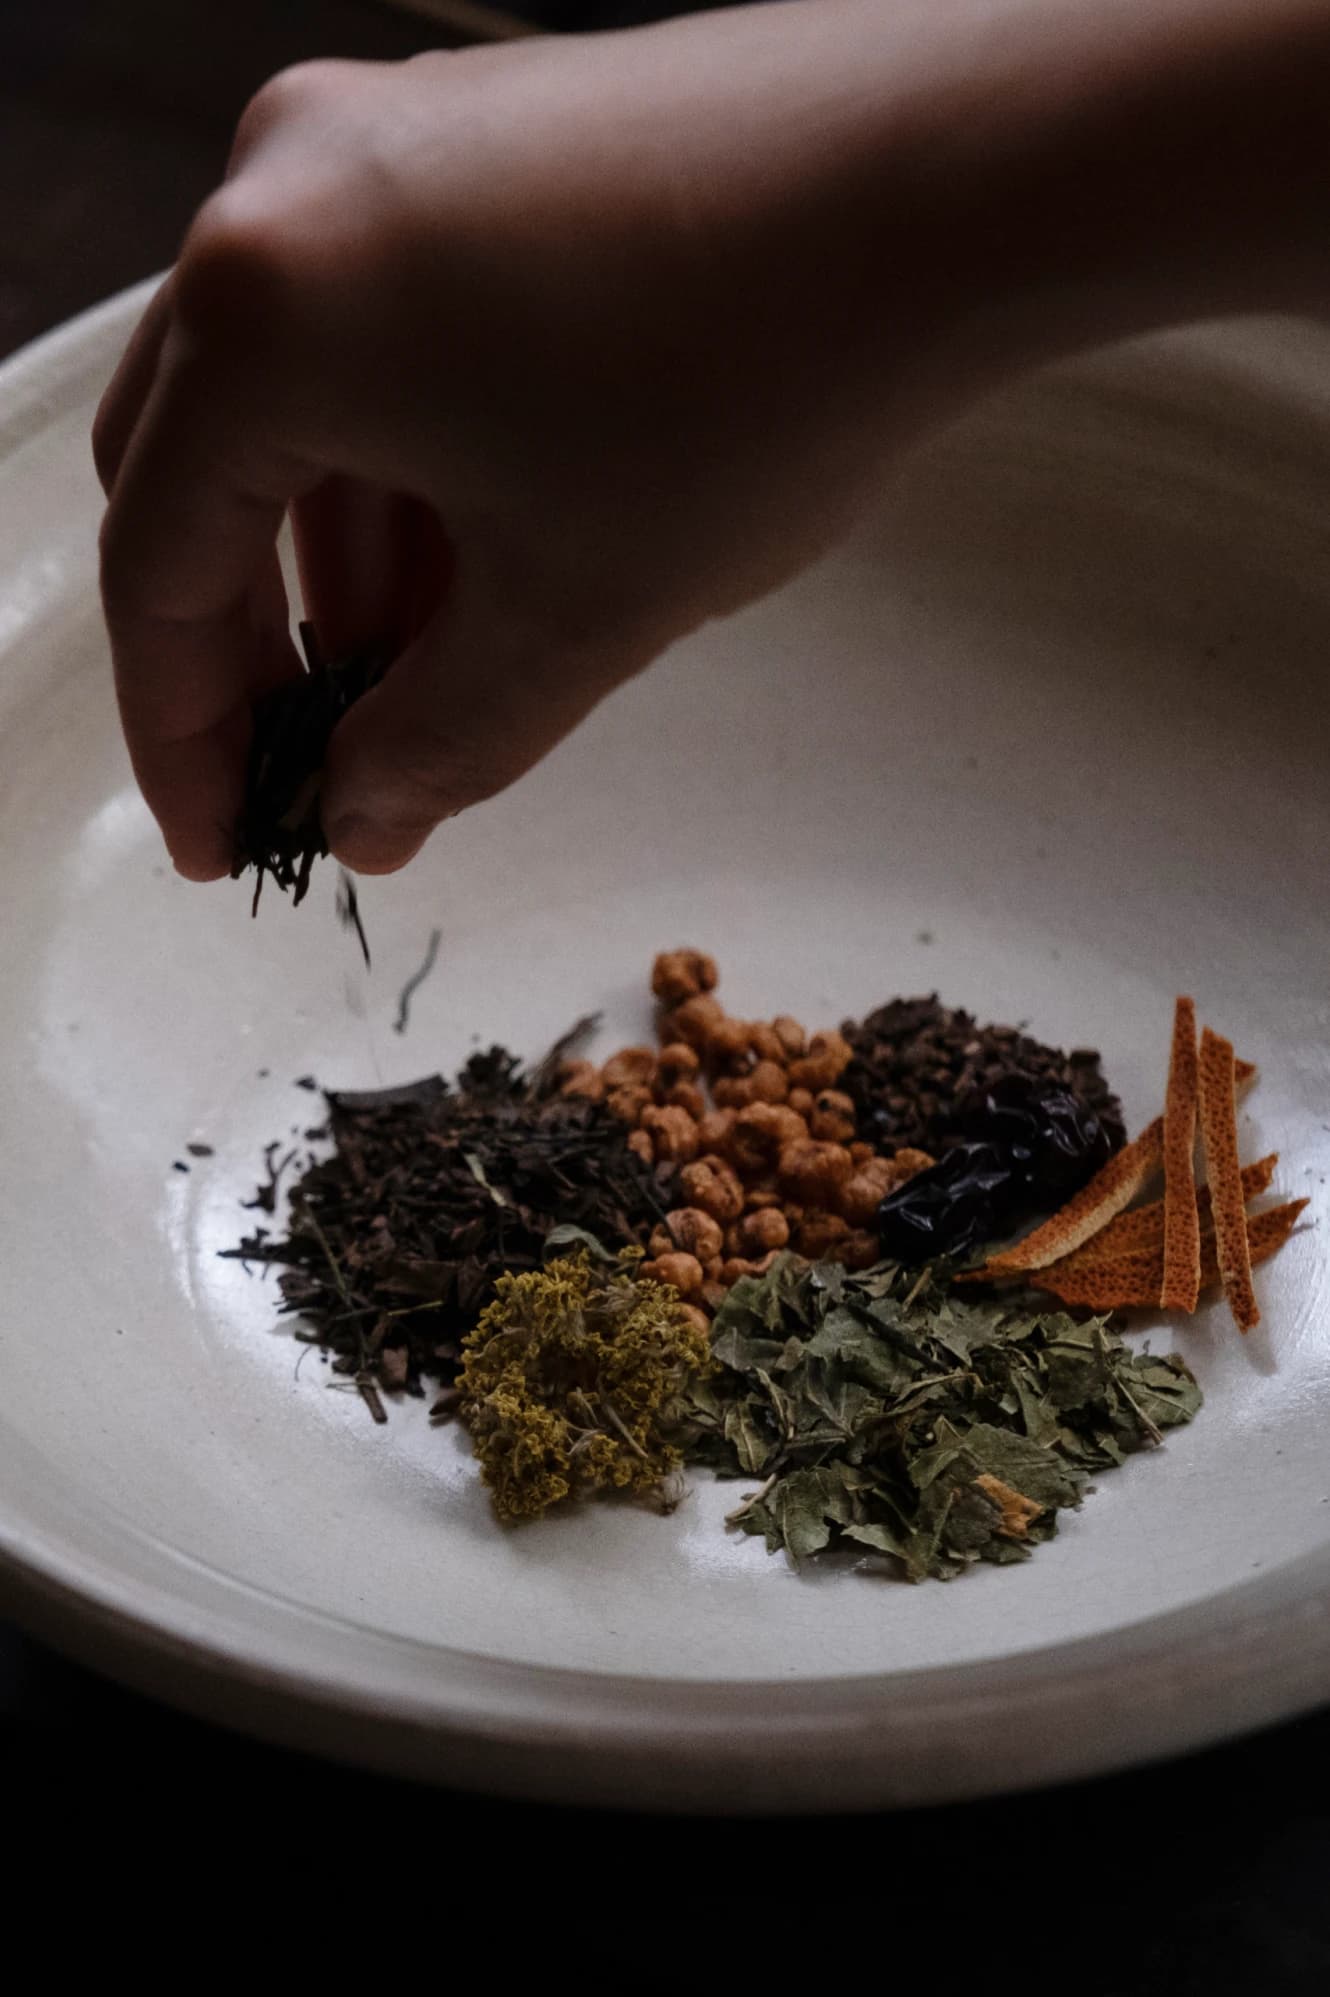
(885, 1413)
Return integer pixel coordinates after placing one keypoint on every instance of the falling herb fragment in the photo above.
(880, 1412)
(348, 911)
(416, 980)
(573, 1381)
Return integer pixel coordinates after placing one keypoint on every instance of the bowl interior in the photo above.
(1049, 735)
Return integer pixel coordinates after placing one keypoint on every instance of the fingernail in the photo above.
(191, 868)
(367, 846)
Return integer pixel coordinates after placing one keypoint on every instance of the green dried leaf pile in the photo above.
(880, 1412)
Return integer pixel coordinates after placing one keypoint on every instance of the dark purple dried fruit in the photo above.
(1061, 1142)
(1026, 1151)
(951, 1209)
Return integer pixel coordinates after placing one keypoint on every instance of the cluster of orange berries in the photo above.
(763, 1140)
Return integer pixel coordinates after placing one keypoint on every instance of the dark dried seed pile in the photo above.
(920, 1068)
(432, 1191)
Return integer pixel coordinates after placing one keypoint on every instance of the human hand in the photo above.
(529, 343)
(556, 350)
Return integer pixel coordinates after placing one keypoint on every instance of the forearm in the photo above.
(1114, 165)
(980, 184)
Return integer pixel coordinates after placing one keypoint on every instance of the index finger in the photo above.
(187, 552)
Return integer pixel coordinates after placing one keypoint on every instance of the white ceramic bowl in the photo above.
(1051, 735)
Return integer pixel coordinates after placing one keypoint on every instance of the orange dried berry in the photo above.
(755, 1138)
(694, 1021)
(733, 1091)
(762, 1231)
(825, 1062)
(744, 1265)
(907, 1162)
(682, 1272)
(711, 1269)
(860, 1154)
(864, 1191)
(628, 1103)
(693, 1230)
(697, 1318)
(714, 1186)
(631, 1067)
(733, 1243)
(821, 1235)
(765, 1043)
(801, 1101)
(791, 1035)
(687, 1095)
(727, 1045)
(713, 1129)
(581, 1079)
(860, 1249)
(769, 1082)
(758, 1197)
(677, 975)
(677, 1062)
(814, 1172)
(641, 1146)
(672, 1131)
(833, 1117)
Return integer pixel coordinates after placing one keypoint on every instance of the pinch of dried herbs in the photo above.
(281, 830)
(573, 1381)
(877, 1411)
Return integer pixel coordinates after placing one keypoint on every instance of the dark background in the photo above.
(1206, 1875)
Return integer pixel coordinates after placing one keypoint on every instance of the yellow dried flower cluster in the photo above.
(572, 1380)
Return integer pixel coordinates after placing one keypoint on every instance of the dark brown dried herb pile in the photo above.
(922, 1072)
(432, 1192)
(281, 830)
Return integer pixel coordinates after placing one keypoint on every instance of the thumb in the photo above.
(468, 707)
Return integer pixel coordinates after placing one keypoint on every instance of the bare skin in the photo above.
(557, 350)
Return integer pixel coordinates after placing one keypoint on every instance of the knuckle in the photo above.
(236, 268)
(439, 775)
(290, 95)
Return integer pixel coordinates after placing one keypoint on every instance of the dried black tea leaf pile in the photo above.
(432, 1192)
(882, 1414)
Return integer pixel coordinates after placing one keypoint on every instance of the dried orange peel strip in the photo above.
(1112, 1188)
(1143, 1227)
(1132, 1281)
(1219, 1136)
(1181, 1284)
